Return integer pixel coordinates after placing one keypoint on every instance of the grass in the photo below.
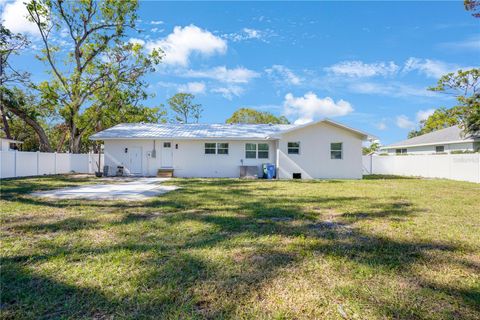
(218, 248)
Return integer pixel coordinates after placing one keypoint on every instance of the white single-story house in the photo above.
(322, 149)
(446, 140)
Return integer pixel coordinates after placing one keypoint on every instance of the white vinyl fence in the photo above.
(464, 167)
(23, 164)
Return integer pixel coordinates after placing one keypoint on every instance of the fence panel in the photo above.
(46, 163)
(22, 164)
(7, 163)
(62, 163)
(464, 167)
(26, 164)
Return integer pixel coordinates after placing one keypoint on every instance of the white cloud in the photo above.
(424, 114)
(392, 89)
(137, 41)
(192, 87)
(252, 33)
(156, 22)
(223, 74)
(359, 69)
(310, 106)
(282, 74)
(404, 122)
(179, 45)
(428, 67)
(472, 43)
(382, 125)
(14, 17)
(229, 92)
(247, 34)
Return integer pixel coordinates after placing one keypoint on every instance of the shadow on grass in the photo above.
(387, 177)
(175, 274)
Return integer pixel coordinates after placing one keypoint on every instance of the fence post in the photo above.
(371, 163)
(38, 163)
(15, 164)
(55, 163)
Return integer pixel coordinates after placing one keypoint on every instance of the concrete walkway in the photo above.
(136, 189)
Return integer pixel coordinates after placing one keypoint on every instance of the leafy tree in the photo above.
(465, 86)
(185, 111)
(26, 107)
(440, 119)
(100, 59)
(374, 146)
(247, 115)
(474, 6)
(12, 99)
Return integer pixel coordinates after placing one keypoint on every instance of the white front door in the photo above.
(167, 161)
(135, 160)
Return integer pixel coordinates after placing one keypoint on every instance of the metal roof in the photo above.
(191, 131)
(443, 136)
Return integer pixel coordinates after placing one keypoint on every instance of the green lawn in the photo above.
(220, 248)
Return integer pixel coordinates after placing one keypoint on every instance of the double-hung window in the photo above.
(216, 148)
(256, 151)
(222, 148)
(263, 151)
(210, 148)
(336, 151)
(401, 151)
(250, 150)
(293, 147)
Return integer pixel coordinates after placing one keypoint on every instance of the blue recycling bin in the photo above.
(268, 171)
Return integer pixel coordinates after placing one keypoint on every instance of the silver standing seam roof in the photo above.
(190, 131)
(206, 131)
(448, 135)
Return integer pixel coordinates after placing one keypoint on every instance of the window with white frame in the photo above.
(336, 151)
(250, 150)
(293, 147)
(439, 149)
(210, 148)
(263, 151)
(222, 148)
(216, 148)
(401, 151)
(256, 151)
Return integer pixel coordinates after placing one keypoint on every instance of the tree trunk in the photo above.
(62, 140)
(6, 126)
(42, 136)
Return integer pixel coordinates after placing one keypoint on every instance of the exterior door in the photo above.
(167, 161)
(135, 160)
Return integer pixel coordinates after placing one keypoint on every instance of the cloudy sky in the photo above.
(365, 64)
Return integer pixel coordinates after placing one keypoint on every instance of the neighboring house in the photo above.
(322, 149)
(446, 140)
(8, 144)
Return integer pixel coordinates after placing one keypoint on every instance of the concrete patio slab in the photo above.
(138, 189)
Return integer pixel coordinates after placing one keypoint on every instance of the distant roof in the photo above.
(205, 131)
(190, 131)
(448, 135)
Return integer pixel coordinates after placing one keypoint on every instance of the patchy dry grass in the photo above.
(370, 249)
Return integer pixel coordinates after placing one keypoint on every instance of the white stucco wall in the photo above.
(314, 160)
(467, 146)
(189, 160)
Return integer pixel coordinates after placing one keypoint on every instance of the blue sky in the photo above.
(365, 64)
